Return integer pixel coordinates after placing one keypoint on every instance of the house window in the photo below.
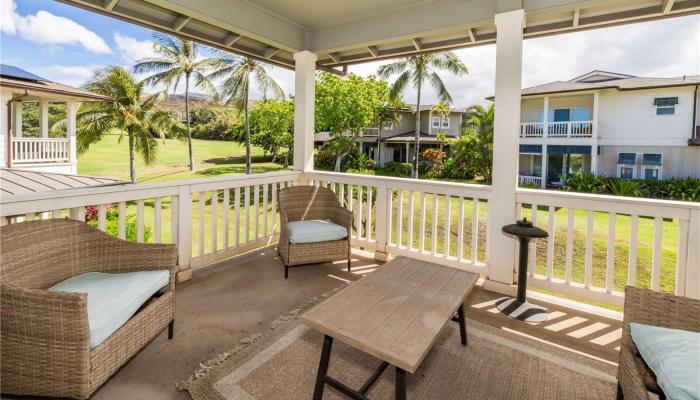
(652, 165)
(665, 105)
(626, 163)
(446, 122)
(436, 122)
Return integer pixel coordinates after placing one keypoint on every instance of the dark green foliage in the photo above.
(622, 187)
(398, 169)
(586, 182)
(113, 226)
(210, 123)
(684, 189)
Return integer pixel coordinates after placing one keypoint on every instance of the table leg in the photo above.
(323, 367)
(462, 325)
(400, 384)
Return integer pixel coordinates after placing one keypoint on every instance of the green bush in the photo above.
(621, 187)
(394, 168)
(683, 189)
(113, 226)
(324, 159)
(358, 161)
(586, 182)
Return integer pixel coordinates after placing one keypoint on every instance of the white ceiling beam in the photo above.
(417, 44)
(666, 6)
(270, 52)
(335, 57)
(577, 17)
(180, 22)
(373, 51)
(110, 4)
(472, 37)
(231, 39)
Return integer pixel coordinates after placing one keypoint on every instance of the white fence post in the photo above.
(381, 216)
(509, 48)
(693, 256)
(184, 233)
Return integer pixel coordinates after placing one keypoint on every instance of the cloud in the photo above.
(49, 29)
(636, 49)
(73, 75)
(131, 49)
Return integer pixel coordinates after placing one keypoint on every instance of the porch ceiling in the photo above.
(346, 32)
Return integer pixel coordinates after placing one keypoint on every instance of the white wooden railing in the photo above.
(26, 150)
(569, 129)
(597, 245)
(645, 244)
(530, 180)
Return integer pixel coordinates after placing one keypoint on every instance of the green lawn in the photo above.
(109, 158)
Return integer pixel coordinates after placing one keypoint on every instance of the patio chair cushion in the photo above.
(314, 231)
(113, 298)
(673, 355)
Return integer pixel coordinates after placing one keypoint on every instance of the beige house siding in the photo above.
(679, 161)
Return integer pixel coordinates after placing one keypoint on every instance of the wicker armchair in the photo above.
(644, 306)
(45, 339)
(299, 203)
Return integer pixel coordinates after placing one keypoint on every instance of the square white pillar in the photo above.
(545, 117)
(44, 118)
(18, 106)
(71, 112)
(304, 109)
(594, 133)
(502, 206)
(544, 166)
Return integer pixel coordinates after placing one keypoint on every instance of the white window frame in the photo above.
(659, 168)
(657, 108)
(621, 166)
(433, 123)
(446, 122)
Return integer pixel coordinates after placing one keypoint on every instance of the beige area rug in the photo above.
(282, 364)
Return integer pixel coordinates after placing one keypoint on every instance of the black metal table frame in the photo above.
(323, 378)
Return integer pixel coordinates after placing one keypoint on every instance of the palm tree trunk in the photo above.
(248, 170)
(416, 144)
(132, 166)
(187, 113)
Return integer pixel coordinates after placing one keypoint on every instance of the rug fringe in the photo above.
(206, 367)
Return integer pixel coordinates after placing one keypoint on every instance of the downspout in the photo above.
(694, 133)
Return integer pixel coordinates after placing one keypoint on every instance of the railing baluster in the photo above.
(532, 265)
(448, 223)
(122, 220)
(350, 200)
(139, 221)
(588, 264)
(475, 230)
(246, 210)
(358, 216)
(341, 195)
(157, 228)
(56, 214)
(681, 256)
(550, 243)
(390, 209)
(29, 216)
(656, 254)
(202, 204)
(399, 219)
(568, 269)
(265, 194)
(80, 214)
(460, 230)
(632, 264)
(256, 206)
(236, 216)
(274, 207)
(226, 205)
(102, 217)
(214, 216)
(368, 222)
(409, 233)
(610, 257)
(421, 233)
(433, 229)
(174, 205)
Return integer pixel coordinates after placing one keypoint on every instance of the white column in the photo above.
(44, 118)
(408, 147)
(304, 107)
(17, 119)
(71, 111)
(594, 133)
(5, 96)
(545, 117)
(544, 166)
(509, 51)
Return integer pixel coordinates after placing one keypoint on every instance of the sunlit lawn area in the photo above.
(109, 158)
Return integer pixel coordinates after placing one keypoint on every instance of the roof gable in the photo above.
(600, 76)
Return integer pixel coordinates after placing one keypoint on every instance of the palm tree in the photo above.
(443, 110)
(479, 129)
(236, 71)
(177, 58)
(126, 115)
(416, 70)
(388, 115)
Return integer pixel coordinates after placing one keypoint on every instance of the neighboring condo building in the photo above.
(610, 124)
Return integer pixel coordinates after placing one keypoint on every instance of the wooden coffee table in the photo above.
(394, 314)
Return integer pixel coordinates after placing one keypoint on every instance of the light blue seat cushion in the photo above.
(674, 356)
(314, 231)
(113, 298)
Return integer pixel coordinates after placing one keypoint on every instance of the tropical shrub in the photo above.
(432, 160)
(112, 224)
(324, 159)
(358, 161)
(394, 168)
(586, 182)
(621, 187)
(686, 189)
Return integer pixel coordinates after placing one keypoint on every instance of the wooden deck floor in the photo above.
(222, 304)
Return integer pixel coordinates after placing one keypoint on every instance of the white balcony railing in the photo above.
(570, 129)
(647, 242)
(530, 180)
(28, 150)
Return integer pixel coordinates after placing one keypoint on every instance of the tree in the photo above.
(416, 70)
(272, 122)
(388, 115)
(474, 149)
(443, 111)
(177, 58)
(236, 71)
(126, 115)
(345, 106)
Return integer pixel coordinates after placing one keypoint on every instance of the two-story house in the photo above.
(38, 150)
(395, 141)
(610, 124)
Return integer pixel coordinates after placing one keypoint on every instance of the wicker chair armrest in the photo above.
(43, 318)
(629, 377)
(343, 217)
